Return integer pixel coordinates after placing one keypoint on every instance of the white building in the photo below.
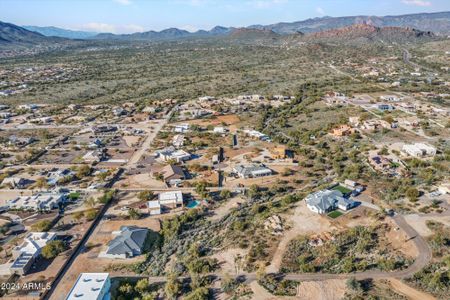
(256, 134)
(94, 156)
(252, 171)
(178, 141)
(40, 201)
(154, 207)
(171, 199)
(27, 253)
(91, 286)
(181, 128)
(390, 98)
(220, 129)
(28, 106)
(170, 153)
(419, 150)
(206, 98)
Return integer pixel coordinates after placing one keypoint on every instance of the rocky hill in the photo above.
(436, 22)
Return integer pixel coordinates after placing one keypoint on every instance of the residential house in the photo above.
(259, 135)
(95, 156)
(325, 201)
(171, 199)
(390, 98)
(206, 98)
(119, 111)
(28, 252)
(170, 153)
(97, 143)
(335, 98)
(181, 128)
(354, 121)
(279, 152)
(419, 150)
(173, 174)
(20, 141)
(16, 182)
(375, 124)
(91, 286)
(385, 107)
(59, 175)
(129, 242)
(220, 130)
(252, 171)
(342, 130)
(104, 128)
(5, 115)
(178, 141)
(73, 106)
(154, 207)
(44, 201)
(28, 106)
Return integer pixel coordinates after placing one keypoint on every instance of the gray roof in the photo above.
(251, 170)
(129, 242)
(325, 199)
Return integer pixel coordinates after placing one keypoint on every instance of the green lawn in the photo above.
(342, 189)
(334, 214)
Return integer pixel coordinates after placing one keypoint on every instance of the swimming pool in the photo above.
(193, 204)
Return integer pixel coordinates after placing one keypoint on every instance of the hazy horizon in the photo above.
(128, 16)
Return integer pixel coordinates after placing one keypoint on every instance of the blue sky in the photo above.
(125, 16)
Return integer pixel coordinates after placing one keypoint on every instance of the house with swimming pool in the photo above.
(168, 200)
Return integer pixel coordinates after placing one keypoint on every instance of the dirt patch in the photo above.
(140, 181)
(227, 257)
(303, 221)
(321, 290)
(400, 240)
(110, 226)
(131, 140)
(418, 222)
(225, 208)
(227, 119)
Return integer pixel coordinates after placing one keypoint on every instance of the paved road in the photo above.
(81, 245)
(149, 139)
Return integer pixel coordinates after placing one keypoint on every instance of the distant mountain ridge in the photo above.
(435, 22)
(60, 32)
(359, 28)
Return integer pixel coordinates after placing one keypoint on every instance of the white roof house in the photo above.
(173, 198)
(257, 134)
(181, 128)
(220, 129)
(252, 171)
(25, 254)
(154, 207)
(91, 286)
(419, 150)
(178, 141)
(170, 153)
(94, 156)
(40, 201)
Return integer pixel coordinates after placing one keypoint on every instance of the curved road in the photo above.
(420, 262)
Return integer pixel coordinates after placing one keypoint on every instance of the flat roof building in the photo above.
(91, 286)
(27, 253)
(419, 150)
